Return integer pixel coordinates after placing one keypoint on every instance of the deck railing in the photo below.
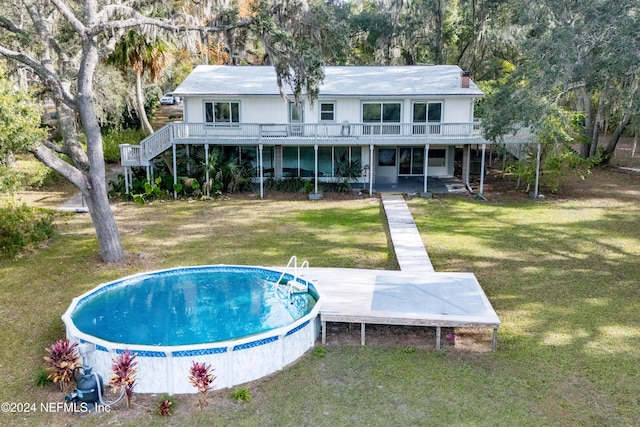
(321, 130)
(283, 133)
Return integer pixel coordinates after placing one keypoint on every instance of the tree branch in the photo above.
(48, 156)
(135, 19)
(69, 16)
(41, 71)
(10, 26)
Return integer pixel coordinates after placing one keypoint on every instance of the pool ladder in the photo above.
(293, 286)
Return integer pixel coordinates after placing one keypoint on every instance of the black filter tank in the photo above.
(87, 385)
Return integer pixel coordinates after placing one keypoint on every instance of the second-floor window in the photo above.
(427, 117)
(222, 112)
(327, 112)
(383, 114)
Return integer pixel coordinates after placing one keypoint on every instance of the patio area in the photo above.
(415, 185)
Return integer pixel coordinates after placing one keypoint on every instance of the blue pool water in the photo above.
(191, 305)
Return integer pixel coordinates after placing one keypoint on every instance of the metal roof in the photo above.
(339, 81)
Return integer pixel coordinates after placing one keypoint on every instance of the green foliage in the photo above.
(23, 227)
(241, 395)
(308, 186)
(300, 37)
(408, 349)
(227, 173)
(112, 138)
(285, 185)
(319, 352)
(20, 118)
(152, 191)
(348, 169)
(43, 379)
(9, 180)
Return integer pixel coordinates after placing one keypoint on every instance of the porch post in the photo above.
(467, 162)
(484, 149)
(371, 169)
(426, 166)
(315, 149)
(126, 179)
(206, 168)
(175, 170)
(535, 194)
(261, 170)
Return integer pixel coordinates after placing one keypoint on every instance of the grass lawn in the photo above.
(562, 273)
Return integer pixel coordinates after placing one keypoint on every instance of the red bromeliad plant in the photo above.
(124, 371)
(201, 376)
(61, 362)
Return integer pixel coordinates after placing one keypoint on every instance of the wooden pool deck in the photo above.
(402, 298)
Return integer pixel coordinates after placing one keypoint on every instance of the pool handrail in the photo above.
(296, 276)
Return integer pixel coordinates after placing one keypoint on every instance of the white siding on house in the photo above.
(269, 109)
(457, 110)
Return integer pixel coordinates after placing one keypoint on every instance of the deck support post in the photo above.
(535, 194)
(175, 171)
(206, 169)
(324, 332)
(438, 332)
(362, 328)
(370, 170)
(484, 149)
(467, 162)
(261, 170)
(495, 340)
(425, 166)
(126, 179)
(315, 168)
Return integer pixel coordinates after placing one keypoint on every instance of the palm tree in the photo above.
(135, 51)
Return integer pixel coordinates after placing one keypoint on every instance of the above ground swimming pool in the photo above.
(237, 319)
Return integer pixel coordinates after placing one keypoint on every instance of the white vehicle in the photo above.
(169, 99)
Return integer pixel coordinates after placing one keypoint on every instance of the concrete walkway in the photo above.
(406, 240)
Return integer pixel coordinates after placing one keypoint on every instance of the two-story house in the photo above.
(397, 122)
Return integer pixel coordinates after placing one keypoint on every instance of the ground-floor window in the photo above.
(299, 161)
(437, 157)
(411, 161)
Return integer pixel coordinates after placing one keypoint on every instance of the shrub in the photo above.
(23, 227)
(61, 362)
(42, 378)
(201, 376)
(165, 405)
(241, 395)
(112, 139)
(124, 371)
(319, 352)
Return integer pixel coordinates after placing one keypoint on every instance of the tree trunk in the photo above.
(96, 193)
(597, 124)
(142, 114)
(611, 146)
(588, 123)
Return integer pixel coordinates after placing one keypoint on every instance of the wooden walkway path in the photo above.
(407, 242)
(414, 296)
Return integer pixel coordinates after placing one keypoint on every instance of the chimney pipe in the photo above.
(464, 79)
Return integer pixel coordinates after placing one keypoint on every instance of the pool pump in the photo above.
(89, 387)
